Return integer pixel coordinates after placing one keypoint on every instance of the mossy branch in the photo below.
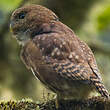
(95, 103)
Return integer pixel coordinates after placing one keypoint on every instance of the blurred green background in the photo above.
(90, 19)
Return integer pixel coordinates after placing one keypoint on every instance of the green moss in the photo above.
(95, 103)
(24, 104)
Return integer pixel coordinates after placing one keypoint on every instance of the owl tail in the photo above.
(100, 87)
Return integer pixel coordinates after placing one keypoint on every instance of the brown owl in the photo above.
(56, 56)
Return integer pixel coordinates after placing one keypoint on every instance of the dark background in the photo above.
(90, 19)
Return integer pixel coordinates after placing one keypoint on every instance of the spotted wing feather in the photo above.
(90, 58)
(57, 50)
(71, 59)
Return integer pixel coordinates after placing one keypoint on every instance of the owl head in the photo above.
(26, 21)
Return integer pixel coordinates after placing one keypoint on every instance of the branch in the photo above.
(99, 47)
(95, 103)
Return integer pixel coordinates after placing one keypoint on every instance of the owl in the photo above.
(56, 56)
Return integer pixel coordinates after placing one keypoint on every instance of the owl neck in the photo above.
(53, 27)
(42, 29)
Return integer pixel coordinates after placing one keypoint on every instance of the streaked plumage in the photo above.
(58, 58)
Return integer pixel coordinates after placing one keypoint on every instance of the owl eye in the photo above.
(21, 15)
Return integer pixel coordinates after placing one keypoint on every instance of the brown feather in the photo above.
(58, 58)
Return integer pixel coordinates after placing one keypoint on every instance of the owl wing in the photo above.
(65, 55)
(90, 58)
(68, 58)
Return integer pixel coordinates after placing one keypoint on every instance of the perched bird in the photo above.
(56, 56)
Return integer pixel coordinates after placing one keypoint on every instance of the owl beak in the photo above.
(11, 30)
(11, 26)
